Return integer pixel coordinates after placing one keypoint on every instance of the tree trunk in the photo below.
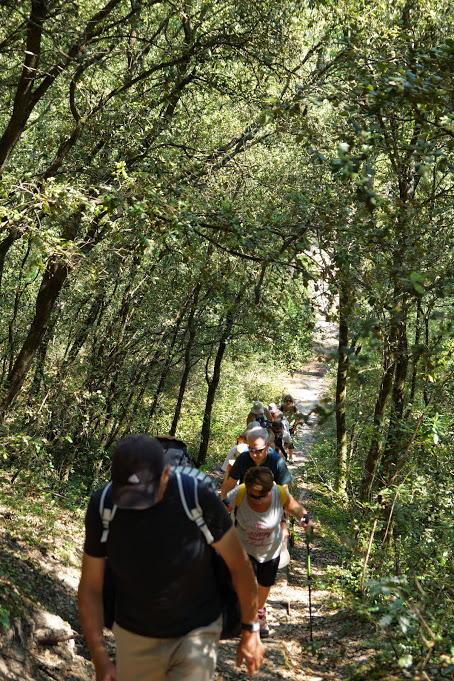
(24, 100)
(187, 361)
(53, 279)
(375, 448)
(5, 245)
(415, 362)
(394, 439)
(211, 394)
(170, 355)
(41, 355)
(214, 382)
(341, 391)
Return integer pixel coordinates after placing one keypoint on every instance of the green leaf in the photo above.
(385, 621)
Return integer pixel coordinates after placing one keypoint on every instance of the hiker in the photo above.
(236, 449)
(167, 610)
(281, 440)
(290, 410)
(258, 512)
(259, 454)
(260, 414)
(278, 414)
(240, 447)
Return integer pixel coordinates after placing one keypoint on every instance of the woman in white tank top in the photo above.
(259, 506)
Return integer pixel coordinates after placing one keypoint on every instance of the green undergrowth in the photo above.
(36, 524)
(402, 587)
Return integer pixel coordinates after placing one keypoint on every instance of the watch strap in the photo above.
(254, 626)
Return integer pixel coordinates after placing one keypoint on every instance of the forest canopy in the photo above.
(186, 187)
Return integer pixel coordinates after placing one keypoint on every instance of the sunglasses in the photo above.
(256, 451)
(257, 497)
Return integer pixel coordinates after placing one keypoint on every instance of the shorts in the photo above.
(265, 572)
(187, 658)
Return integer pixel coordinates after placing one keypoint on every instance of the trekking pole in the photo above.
(309, 577)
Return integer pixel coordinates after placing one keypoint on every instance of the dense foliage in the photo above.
(137, 251)
(184, 186)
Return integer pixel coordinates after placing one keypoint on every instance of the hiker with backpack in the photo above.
(290, 411)
(281, 440)
(160, 551)
(259, 413)
(240, 447)
(258, 505)
(276, 414)
(258, 454)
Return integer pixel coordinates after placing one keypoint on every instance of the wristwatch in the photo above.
(254, 626)
(306, 518)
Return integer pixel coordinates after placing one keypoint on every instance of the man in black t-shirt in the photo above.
(167, 610)
(259, 454)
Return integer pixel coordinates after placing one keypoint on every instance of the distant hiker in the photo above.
(235, 450)
(290, 410)
(281, 440)
(167, 609)
(259, 413)
(258, 522)
(259, 454)
(276, 413)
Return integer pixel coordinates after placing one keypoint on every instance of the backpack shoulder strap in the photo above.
(283, 492)
(195, 473)
(240, 495)
(107, 510)
(187, 486)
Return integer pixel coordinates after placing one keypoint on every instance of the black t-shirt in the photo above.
(162, 565)
(281, 473)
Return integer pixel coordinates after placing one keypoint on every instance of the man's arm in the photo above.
(91, 613)
(283, 477)
(227, 485)
(250, 648)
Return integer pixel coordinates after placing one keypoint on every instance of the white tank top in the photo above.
(259, 531)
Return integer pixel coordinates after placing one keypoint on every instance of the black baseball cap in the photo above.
(137, 465)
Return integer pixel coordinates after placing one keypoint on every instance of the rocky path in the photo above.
(290, 653)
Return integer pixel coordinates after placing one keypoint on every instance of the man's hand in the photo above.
(308, 528)
(106, 672)
(250, 650)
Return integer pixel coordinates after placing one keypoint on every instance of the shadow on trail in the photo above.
(36, 586)
(275, 661)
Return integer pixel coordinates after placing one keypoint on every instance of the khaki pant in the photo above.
(187, 658)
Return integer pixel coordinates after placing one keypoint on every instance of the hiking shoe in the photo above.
(264, 631)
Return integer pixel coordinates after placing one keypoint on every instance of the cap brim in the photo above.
(136, 496)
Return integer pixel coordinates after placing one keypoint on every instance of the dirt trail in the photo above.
(288, 648)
